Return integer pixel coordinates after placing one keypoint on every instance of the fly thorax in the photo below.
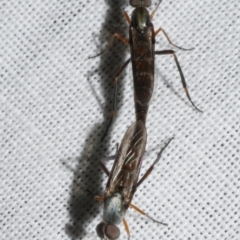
(113, 209)
(140, 19)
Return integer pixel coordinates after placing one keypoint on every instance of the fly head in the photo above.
(106, 230)
(140, 3)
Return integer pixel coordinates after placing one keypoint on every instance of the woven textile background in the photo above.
(55, 105)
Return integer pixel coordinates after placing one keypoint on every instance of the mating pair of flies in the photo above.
(123, 177)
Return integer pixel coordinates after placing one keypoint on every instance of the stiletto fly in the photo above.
(142, 45)
(123, 181)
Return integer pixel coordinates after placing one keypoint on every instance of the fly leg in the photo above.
(165, 52)
(144, 177)
(115, 35)
(154, 163)
(170, 42)
(153, 12)
(104, 168)
(127, 17)
(113, 112)
(102, 165)
(145, 214)
(106, 171)
(99, 198)
(126, 227)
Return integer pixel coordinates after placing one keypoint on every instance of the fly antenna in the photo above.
(153, 12)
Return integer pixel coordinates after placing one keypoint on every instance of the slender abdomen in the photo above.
(143, 88)
(142, 56)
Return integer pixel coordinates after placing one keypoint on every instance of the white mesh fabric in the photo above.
(54, 109)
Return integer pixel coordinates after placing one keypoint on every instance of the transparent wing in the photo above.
(125, 171)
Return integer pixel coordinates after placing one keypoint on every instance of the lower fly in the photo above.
(123, 181)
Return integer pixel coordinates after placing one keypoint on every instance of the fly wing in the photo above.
(125, 171)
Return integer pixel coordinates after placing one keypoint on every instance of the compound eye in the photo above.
(100, 229)
(112, 232)
(140, 3)
(107, 230)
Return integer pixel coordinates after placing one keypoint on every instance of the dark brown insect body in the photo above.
(142, 44)
(142, 40)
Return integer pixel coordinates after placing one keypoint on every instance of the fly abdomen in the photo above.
(143, 86)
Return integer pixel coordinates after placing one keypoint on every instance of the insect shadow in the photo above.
(112, 60)
(87, 175)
